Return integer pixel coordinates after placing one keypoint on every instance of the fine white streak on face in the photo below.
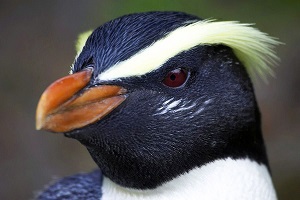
(167, 106)
(165, 103)
(182, 108)
(201, 109)
(173, 104)
(207, 101)
(221, 179)
(178, 106)
(252, 47)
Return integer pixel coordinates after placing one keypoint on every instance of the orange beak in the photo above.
(67, 105)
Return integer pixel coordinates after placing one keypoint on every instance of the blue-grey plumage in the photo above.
(80, 186)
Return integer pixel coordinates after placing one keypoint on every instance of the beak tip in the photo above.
(38, 118)
(38, 125)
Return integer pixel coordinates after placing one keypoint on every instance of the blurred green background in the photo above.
(37, 47)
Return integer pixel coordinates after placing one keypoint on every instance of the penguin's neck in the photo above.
(221, 179)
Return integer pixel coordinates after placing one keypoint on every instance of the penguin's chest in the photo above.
(221, 179)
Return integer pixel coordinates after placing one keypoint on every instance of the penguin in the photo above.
(164, 104)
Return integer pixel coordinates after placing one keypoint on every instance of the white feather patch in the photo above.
(252, 47)
(221, 179)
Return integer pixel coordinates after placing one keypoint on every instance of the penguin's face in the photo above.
(145, 124)
(180, 116)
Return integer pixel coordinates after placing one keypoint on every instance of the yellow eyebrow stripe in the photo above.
(254, 48)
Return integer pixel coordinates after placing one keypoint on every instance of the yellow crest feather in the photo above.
(81, 40)
(254, 48)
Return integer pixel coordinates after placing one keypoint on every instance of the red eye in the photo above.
(175, 78)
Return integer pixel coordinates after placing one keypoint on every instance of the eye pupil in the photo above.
(175, 78)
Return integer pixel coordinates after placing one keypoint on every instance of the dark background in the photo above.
(37, 47)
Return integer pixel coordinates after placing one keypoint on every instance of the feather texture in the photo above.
(254, 48)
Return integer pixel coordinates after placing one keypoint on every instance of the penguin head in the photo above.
(154, 95)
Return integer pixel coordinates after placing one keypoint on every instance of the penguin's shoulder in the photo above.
(80, 186)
